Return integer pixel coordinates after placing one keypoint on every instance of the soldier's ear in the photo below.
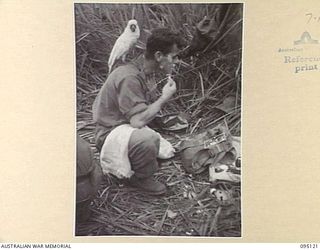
(158, 55)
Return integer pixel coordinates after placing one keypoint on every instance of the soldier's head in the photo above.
(163, 47)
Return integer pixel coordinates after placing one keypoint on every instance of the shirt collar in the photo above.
(138, 63)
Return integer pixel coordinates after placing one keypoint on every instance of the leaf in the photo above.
(147, 31)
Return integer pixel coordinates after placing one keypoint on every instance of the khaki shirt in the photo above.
(124, 94)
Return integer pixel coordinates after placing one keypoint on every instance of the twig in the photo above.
(127, 229)
(122, 214)
(234, 126)
(162, 220)
(194, 127)
(201, 84)
(213, 225)
(174, 183)
(190, 224)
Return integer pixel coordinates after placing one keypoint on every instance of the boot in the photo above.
(148, 185)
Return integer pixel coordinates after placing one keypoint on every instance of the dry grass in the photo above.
(189, 209)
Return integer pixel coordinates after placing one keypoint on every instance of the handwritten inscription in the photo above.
(312, 18)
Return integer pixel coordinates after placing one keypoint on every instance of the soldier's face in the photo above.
(169, 60)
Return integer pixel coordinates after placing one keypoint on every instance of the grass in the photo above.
(189, 209)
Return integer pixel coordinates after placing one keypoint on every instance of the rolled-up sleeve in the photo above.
(132, 99)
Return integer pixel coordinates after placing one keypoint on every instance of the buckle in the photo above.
(215, 140)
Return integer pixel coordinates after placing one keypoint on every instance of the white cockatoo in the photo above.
(124, 42)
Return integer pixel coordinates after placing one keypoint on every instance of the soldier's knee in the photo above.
(149, 138)
(145, 138)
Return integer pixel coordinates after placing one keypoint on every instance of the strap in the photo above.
(224, 146)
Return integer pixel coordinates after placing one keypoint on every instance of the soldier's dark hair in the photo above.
(162, 39)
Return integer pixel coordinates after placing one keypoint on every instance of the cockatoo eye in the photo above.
(133, 27)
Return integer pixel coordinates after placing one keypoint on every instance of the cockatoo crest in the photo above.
(124, 42)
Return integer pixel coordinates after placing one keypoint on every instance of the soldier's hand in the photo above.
(169, 89)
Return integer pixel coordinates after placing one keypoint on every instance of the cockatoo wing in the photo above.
(121, 47)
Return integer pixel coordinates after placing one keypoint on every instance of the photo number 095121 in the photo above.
(308, 246)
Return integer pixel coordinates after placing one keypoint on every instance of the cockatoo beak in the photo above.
(133, 27)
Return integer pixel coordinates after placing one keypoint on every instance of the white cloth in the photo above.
(166, 150)
(114, 153)
(114, 157)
